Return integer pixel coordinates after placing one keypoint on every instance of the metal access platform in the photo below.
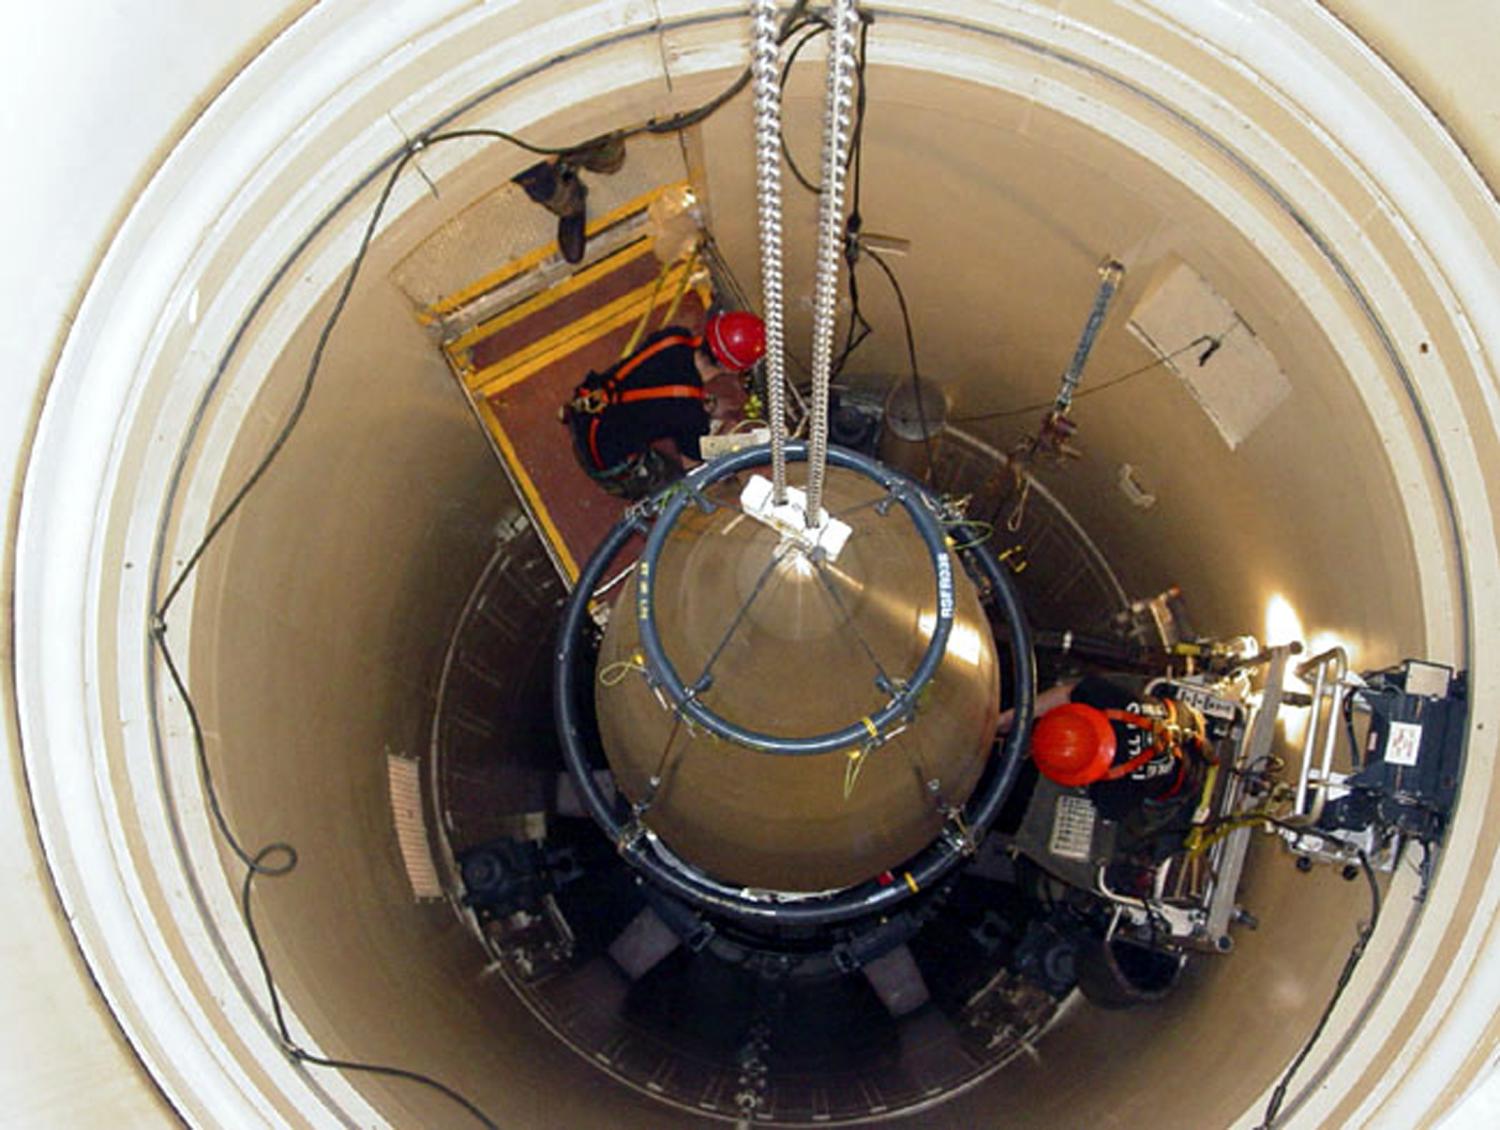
(536, 330)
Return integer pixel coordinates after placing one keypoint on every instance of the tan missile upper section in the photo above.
(796, 648)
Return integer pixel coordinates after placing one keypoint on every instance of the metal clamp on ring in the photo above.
(573, 682)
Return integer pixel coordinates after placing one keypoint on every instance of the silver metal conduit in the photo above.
(764, 52)
(837, 120)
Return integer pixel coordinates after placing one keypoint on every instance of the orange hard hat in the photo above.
(736, 338)
(1073, 744)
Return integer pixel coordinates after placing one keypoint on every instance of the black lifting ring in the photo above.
(614, 815)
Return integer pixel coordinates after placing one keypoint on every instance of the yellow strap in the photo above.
(682, 285)
(615, 673)
(640, 326)
(852, 767)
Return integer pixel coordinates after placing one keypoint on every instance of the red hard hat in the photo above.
(1073, 744)
(737, 339)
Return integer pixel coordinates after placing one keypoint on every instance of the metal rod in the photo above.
(1309, 803)
(1111, 271)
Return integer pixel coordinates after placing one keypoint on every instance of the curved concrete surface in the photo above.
(206, 179)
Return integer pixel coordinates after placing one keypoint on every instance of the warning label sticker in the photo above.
(1405, 743)
(1072, 828)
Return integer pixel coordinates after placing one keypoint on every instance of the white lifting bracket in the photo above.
(789, 519)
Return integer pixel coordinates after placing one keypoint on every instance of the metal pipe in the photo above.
(1111, 271)
(1333, 690)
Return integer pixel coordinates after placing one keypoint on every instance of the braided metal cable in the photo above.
(764, 53)
(837, 118)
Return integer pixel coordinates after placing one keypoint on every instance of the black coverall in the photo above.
(616, 416)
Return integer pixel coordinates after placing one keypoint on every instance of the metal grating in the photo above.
(411, 826)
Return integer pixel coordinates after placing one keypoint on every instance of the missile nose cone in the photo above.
(793, 645)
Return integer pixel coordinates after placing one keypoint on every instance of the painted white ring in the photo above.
(126, 359)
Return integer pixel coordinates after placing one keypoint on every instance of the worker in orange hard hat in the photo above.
(633, 424)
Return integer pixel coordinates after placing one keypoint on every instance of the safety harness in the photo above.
(592, 400)
(1179, 726)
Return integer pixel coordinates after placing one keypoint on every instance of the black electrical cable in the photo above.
(911, 352)
(786, 70)
(1366, 931)
(794, 20)
(851, 159)
(857, 147)
(685, 119)
(1211, 340)
(308, 380)
(295, 1051)
(279, 858)
(859, 327)
(1425, 870)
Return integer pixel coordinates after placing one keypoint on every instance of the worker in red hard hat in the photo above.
(633, 424)
(1125, 749)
